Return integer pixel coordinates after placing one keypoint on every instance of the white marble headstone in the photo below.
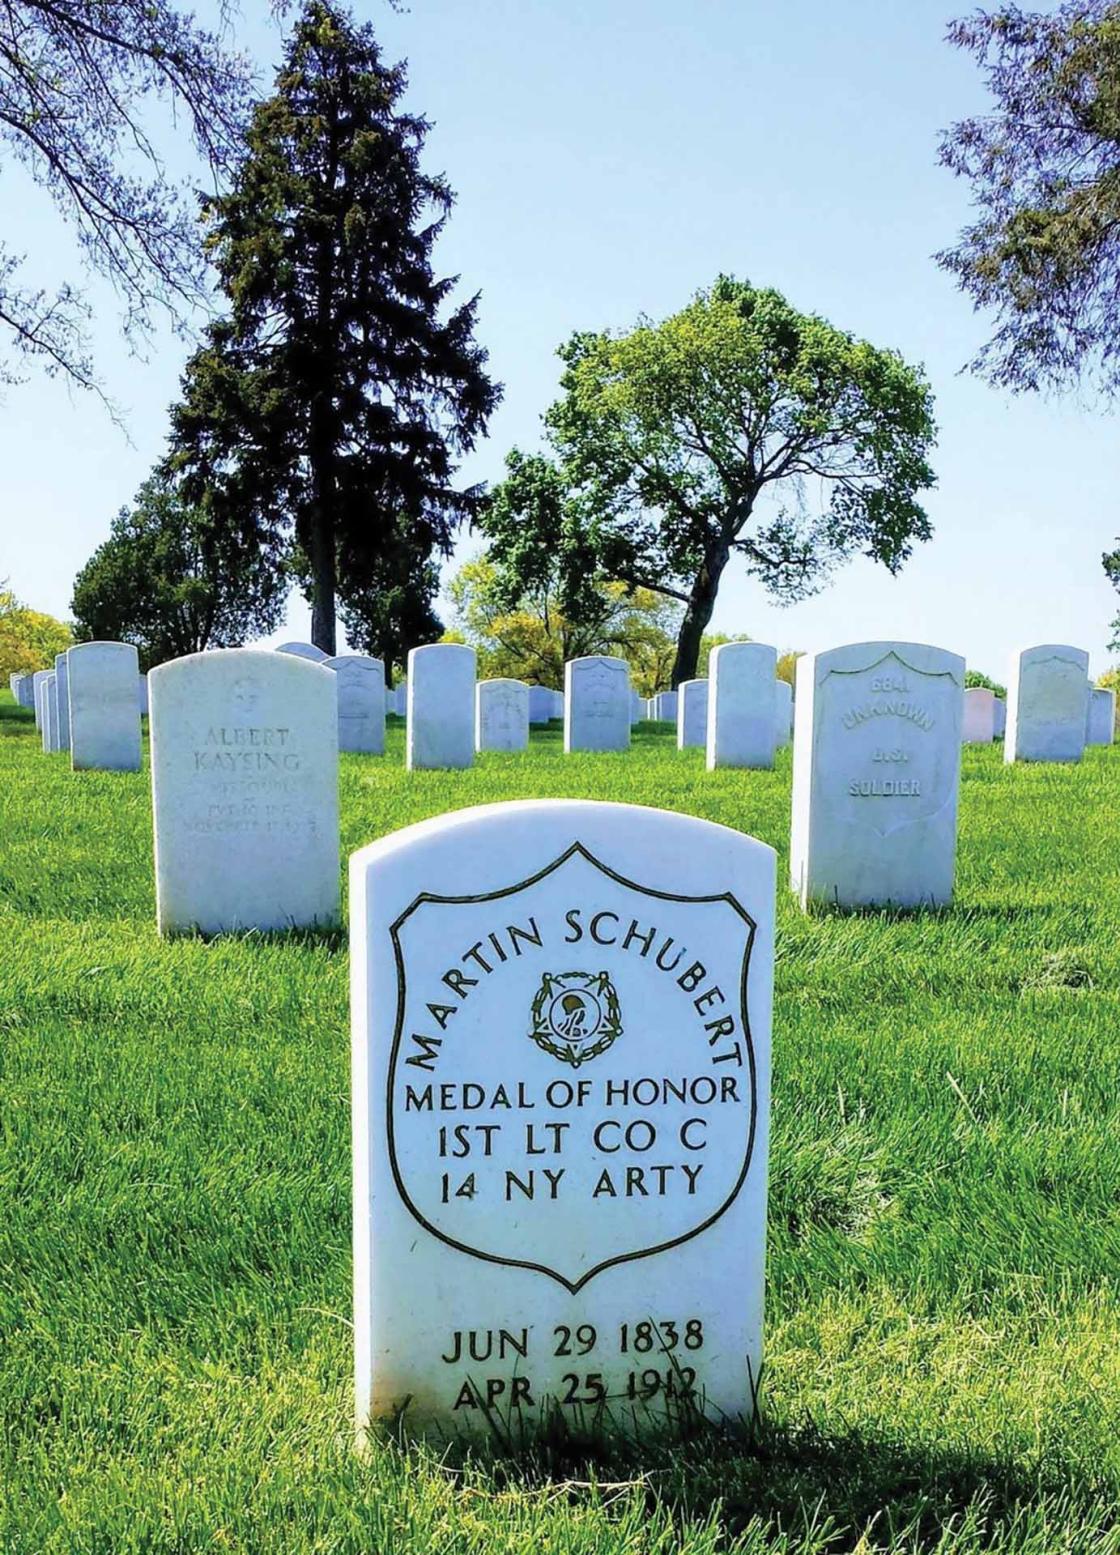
(104, 717)
(1101, 722)
(38, 687)
(50, 712)
(665, 707)
(1047, 702)
(501, 721)
(596, 704)
(244, 792)
(142, 695)
(999, 718)
(979, 726)
(25, 691)
(360, 682)
(692, 714)
(741, 705)
(561, 1045)
(62, 685)
(303, 650)
(441, 681)
(783, 712)
(876, 774)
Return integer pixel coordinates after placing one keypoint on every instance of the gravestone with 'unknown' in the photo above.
(561, 1038)
(876, 774)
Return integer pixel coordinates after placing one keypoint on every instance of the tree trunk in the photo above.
(321, 550)
(698, 612)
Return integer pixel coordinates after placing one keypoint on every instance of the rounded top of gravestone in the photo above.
(217, 665)
(301, 650)
(341, 660)
(1052, 651)
(854, 658)
(506, 680)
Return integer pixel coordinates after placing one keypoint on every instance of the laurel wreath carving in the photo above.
(611, 1027)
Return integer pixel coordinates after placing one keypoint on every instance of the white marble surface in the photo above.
(303, 650)
(104, 717)
(783, 712)
(38, 685)
(244, 792)
(665, 707)
(1100, 724)
(360, 682)
(561, 1097)
(979, 725)
(741, 717)
(501, 715)
(50, 712)
(876, 775)
(596, 704)
(692, 714)
(1047, 704)
(441, 681)
(62, 690)
(999, 718)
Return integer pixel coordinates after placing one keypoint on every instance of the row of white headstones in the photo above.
(561, 1010)
(245, 749)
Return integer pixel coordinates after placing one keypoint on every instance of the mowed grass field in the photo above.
(943, 1335)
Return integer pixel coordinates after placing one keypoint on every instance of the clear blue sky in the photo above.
(610, 157)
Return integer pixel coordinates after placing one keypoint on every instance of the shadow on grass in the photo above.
(799, 1480)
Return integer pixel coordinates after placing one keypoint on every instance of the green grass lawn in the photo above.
(943, 1337)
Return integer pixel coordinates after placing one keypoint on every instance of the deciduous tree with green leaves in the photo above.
(167, 581)
(529, 637)
(29, 639)
(739, 429)
(328, 410)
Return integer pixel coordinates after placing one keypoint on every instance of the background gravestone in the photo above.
(561, 1029)
(501, 715)
(142, 695)
(1047, 704)
(38, 687)
(979, 724)
(244, 792)
(62, 684)
(303, 651)
(25, 691)
(999, 718)
(50, 712)
(360, 683)
(596, 704)
(1101, 722)
(783, 712)
(692, 714)
(876, 774)
(104, 718)
(441, 679)
(665, 707)
(741, 729)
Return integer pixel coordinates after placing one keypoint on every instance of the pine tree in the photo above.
(328, 410)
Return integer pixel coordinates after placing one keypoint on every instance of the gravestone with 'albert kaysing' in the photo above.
(561, 1041)
(244, 791)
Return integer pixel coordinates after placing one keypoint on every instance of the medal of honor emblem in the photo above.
(576, 1016)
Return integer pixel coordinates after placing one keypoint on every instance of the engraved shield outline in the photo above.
(922, 815)
(574, 850)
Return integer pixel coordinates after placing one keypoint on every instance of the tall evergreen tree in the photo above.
(328, 410)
